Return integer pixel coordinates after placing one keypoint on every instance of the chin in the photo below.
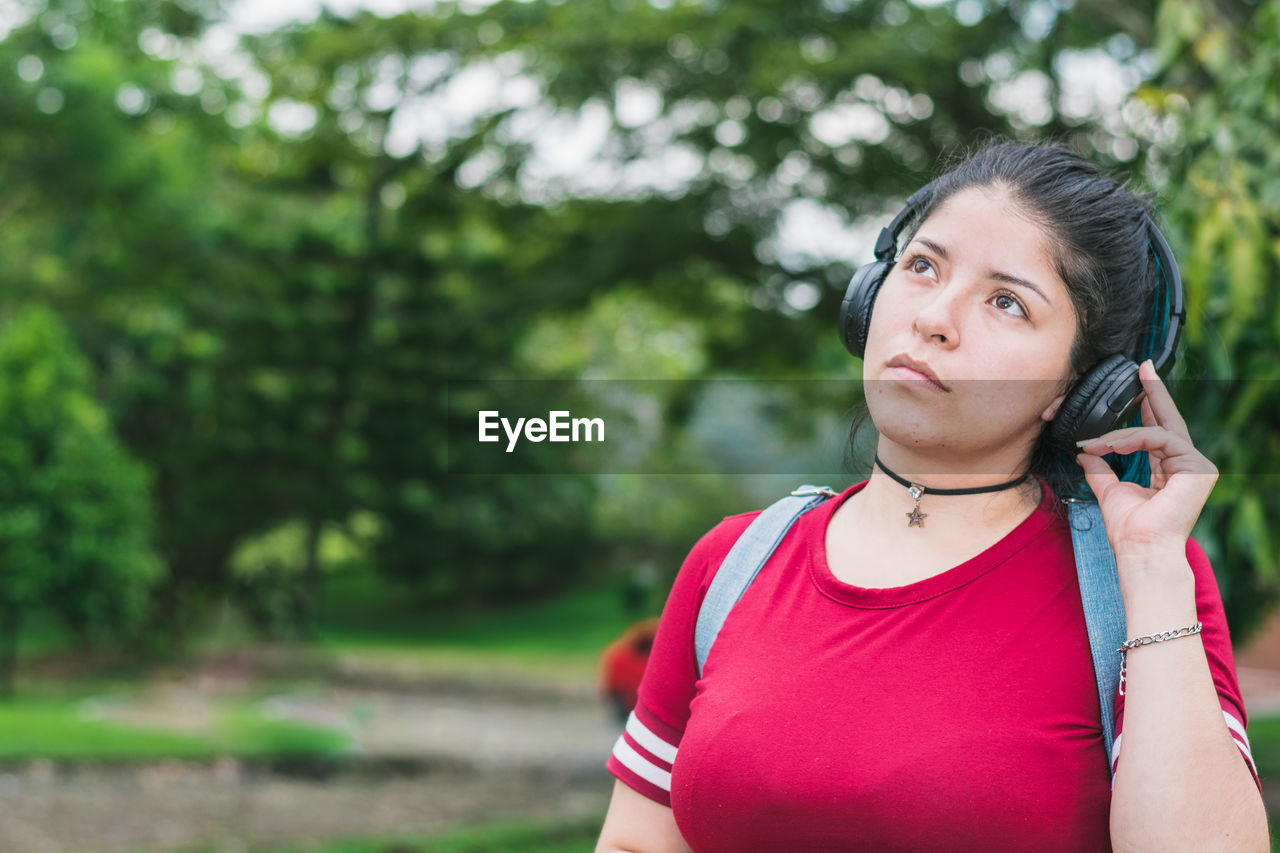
(908, 429)
(889, 409)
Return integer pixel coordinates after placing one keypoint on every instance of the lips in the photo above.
(919, 367)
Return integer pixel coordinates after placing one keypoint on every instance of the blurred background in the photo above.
(251, 599)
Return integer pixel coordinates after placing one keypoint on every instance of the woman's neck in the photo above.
(886, 502)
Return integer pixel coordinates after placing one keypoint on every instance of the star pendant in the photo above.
(917, 518)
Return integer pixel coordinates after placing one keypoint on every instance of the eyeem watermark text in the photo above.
(558, 426)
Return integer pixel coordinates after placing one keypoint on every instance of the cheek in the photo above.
(1013, 383)
(888, 317)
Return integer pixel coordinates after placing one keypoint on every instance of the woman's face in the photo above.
(975, 300)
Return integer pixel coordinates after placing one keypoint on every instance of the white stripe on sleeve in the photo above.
(1242, 741)
(641, 766)
(1236, 726)
(656, 745)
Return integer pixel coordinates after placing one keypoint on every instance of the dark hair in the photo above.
(1100, 251)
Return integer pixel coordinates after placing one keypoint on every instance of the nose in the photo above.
(936, 317)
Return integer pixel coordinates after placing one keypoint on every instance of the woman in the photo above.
(926, 683)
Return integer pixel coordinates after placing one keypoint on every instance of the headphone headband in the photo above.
(887, 242)
(1172, 295)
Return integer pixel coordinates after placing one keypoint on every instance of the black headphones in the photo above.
(1107, 395)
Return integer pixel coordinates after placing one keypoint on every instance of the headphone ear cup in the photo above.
(1105, 396)
(859, 298)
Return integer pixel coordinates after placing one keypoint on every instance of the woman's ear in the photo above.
(1065, 388)
(1049, 413)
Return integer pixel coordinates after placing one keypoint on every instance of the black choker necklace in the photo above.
(917, 491)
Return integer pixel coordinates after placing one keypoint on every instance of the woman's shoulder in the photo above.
(712, 547)
(709, 551)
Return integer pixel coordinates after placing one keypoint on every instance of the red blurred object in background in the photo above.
(622, 665)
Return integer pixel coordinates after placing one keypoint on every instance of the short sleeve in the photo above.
(644, 754)
(1217, 648)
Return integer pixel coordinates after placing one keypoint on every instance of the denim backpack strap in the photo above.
(745, 559)
(1103, 608)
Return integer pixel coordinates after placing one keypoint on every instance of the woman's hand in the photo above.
(1159, 517)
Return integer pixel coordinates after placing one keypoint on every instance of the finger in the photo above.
(1129, 439)
(1098, 474)
(1148, 417)
(1159, 440)
(1172, 451)
(1153, 462)
(1161, 401)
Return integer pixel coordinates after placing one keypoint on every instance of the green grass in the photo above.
(360, 613)
(566, 836)
(243, 731)
(61, 729)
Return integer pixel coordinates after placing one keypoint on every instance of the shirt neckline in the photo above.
(923, 590)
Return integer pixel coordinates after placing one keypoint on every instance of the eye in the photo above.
(920, 265)
(1008, 300)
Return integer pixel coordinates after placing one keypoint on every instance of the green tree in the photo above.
(111, 167)
(1220, 82)
(275, 261)
(75, 512)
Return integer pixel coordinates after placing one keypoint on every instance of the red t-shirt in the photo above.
(956, 713)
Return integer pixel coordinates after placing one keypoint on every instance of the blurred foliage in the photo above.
(75, 513)
(267, 570)
(1221, 81)
(277, 249)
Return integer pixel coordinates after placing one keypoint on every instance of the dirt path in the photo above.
(432, 760)
(177, 807)
(174, 807)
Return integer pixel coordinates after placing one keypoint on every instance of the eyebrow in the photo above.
(995, 274)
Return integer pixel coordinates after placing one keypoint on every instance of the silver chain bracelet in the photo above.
(1148, 640)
